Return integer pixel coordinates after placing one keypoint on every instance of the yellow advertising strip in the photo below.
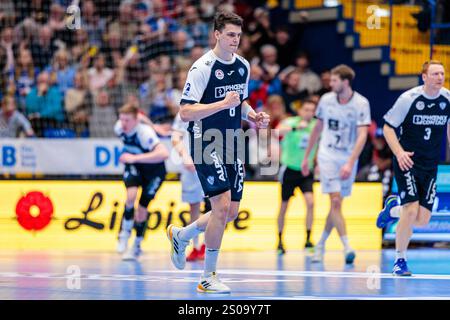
(85, 215)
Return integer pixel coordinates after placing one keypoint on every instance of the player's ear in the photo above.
(216, 34)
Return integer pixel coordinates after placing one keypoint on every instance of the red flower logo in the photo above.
(34, 211)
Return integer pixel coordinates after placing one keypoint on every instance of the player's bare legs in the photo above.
(423, 218)
(128, 220)
(309, 202)
(405, 225)
(281, 220)
(197, 253)
(336, 213)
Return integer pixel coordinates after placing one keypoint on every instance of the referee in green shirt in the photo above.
(295, 132)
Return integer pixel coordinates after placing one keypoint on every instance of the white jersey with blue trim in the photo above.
(208, 81)
(141, 139)
(421, 121)
(340, 124)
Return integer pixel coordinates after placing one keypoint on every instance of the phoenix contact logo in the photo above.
(430, 120)
(221, 91)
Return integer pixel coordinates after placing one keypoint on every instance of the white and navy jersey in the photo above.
(421, 121)
(142, 139)
(208, 81)
(340, 124)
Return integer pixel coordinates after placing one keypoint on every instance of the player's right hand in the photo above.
(305, 167)
(232, 99)
(189, 164)
(404, 160)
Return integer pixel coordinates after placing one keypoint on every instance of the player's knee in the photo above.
(232, 216)
(141, 214)
(422, 219)
(410, 211)
(336, 202)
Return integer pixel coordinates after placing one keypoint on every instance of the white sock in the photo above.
(189, 232)
(127, 225)
(346, 244)
(395, 211)
(211, 256)
(323, 238)
(400, 255)
(196, 242)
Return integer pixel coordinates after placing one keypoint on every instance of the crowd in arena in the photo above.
(64, 82)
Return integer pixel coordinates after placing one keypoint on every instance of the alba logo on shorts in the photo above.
(409, 184)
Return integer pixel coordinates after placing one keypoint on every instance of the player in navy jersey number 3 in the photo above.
(213, 102)
(414, 129)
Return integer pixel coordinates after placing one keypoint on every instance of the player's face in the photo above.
(128, 121)
(435, 77)
(229, 38)
(336, 83)
(307, 111)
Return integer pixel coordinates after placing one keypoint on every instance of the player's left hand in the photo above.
(262, 120)
(346, 171)
(127, 158)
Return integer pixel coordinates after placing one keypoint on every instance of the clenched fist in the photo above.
(232, 99)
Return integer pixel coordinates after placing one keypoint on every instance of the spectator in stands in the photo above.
(291, 93)
(160, 23)
(44, 48)
(136, 72)
(12, 122)
(92, 23)
(62, 71)
(99, 75)
(268, 62)
(126, 25)
(57, 23)
(7, 13)
(158, 97)
(82, 45)
(276, 108)
(44, 105)
(113, 49)
(246, 49)
(257, 88)
(196, 28)
(325, 77)
(285, 44)
(259, 30)
(103, 118)
(181, 44)
(310, 80)
(7, 42)
(24, 76)
(78, 103)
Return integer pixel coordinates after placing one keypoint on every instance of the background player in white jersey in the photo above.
(214, 100)
(343, 117)
(414, 130)
(143, 156)
(192, 192)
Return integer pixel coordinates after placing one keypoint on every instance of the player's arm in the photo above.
(403, 157)
(314, 137)
(178, 145)
(157, 155)
(260, 119)
(361, 138)
(199, 111)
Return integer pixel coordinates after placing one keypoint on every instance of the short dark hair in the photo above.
(344, 72)
(224, 17)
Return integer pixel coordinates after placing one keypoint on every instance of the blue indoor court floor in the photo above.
(251, 275)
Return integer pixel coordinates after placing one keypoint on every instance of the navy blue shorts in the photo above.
(219, 177)
(416, 185)
(149, 177)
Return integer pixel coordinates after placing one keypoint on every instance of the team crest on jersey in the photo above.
(210, 180)
(241, 71)
(219, 74)
(420, 105)
(442, 105)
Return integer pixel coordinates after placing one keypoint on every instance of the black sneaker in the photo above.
(280, 249)
(309, 245)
